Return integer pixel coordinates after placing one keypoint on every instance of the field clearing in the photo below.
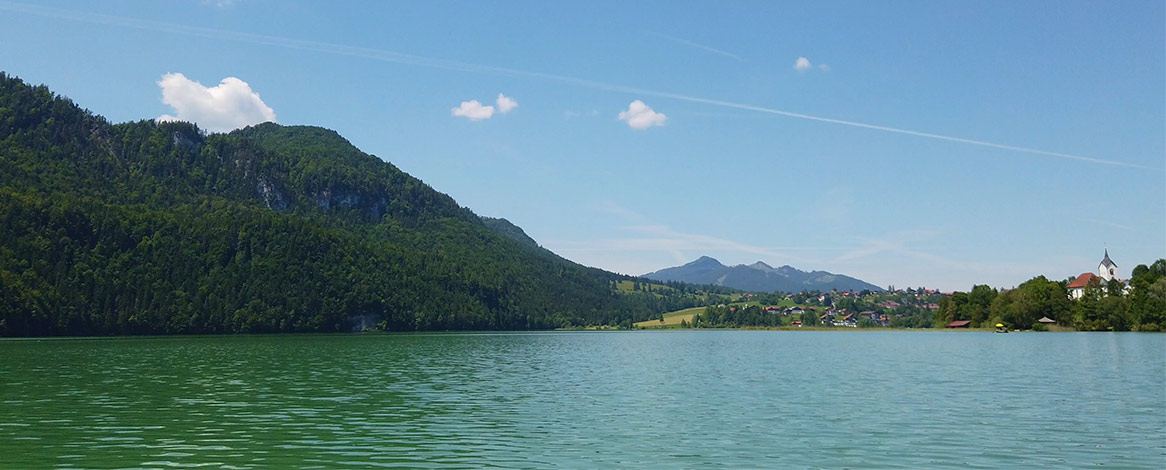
(672, 319)
(630, 286)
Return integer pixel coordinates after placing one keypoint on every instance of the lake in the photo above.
(666, 399)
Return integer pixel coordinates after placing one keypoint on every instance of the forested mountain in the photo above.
(154, 228)
(759, 277)
(505, 228)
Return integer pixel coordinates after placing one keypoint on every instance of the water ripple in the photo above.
(729, 399)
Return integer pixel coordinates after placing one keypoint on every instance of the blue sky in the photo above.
(938, 144)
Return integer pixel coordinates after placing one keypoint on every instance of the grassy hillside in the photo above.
(671, 319)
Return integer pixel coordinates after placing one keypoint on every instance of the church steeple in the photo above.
(1107, 269)
(1108, 262)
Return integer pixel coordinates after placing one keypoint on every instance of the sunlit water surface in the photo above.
(703, 399)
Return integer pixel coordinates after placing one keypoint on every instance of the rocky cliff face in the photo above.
(289, 168)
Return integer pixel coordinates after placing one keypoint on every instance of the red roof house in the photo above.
(1081, 281)
(959, 324)
(1076, 288)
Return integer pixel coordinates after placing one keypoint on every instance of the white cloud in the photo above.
(506, 103)
(473, 110)
(802, 64)
(640, 116)
(228, 106)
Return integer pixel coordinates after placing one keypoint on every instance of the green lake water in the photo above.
(678, 399)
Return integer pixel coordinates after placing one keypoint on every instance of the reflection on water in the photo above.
(729, 399)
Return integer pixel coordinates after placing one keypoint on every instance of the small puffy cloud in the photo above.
(505, 103)
(225, 107)
(473, 110)
(476, 111)
(802, 64)
(640, 116)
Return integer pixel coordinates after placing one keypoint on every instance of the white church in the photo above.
(1106, 273)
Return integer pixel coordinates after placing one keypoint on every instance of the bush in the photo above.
(1149, 327)
(1039, 327)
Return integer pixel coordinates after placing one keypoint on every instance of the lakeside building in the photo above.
(1106, 273)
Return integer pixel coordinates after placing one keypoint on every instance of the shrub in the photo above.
(1149, 327)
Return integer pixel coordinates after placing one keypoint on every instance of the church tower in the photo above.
(1107, 269)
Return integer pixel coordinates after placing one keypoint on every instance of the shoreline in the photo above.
(15, 339)
(827, 328)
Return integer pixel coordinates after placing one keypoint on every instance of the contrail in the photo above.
(400, 58)
(699, 46)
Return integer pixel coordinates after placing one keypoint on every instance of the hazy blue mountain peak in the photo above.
(759, 277)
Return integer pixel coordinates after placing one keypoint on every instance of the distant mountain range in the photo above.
(759, 277)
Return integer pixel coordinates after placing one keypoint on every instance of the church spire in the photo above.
(1108, 262)
(1107, 269)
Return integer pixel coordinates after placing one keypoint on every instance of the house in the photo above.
(1046, 321)
(1077, 287)
(797, 323)
(891, 304)
(795, 311)
(827, 319)
(850, 320)
(960, 324)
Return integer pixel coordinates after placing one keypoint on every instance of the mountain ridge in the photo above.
(758, 277)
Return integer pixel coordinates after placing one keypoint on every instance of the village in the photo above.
(1089, 301)
(852, 309)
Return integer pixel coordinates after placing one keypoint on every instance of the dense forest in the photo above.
(160, 228)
